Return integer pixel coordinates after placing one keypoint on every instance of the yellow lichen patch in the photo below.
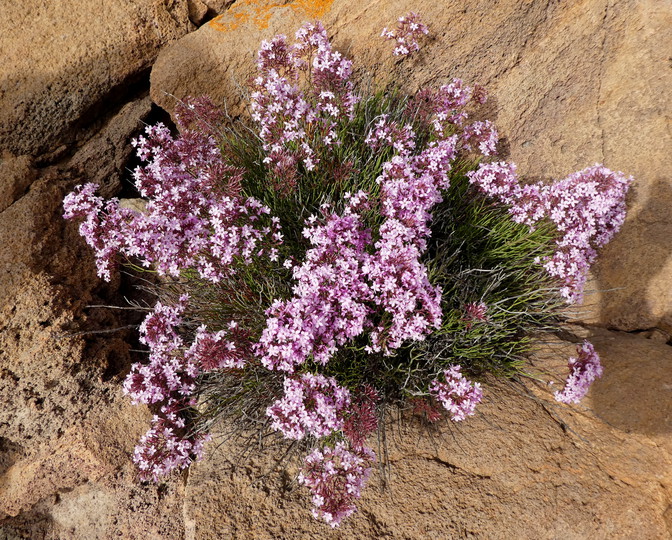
(258, 12)
(313, 9)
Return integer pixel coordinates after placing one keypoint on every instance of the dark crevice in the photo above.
(93, 119)
(654, 334)
(128, 189)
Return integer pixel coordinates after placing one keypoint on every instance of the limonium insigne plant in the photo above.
(340, 254)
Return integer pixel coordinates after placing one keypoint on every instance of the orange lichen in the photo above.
(259, 12)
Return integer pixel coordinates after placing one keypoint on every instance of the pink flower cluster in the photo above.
(336, 477)
(362, 419)
(169, 379)
(225, 349)
(458, 395)
(353, 281)
(481, 135)
(587, 207)
(168, 373)
(410, 187)
(104, 225)
(583, 371)
(406, 35)
(444, 108)
(163, 449)
(389, 133)
(475, 311)
(312, 404)
(340, 278)
(329, 304)
(291, 122)
(189, 221)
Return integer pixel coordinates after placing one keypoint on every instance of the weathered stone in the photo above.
(64, 61)
(571, 84)
(114, 142)
(16, 175)
(525, 466)
(198, 11)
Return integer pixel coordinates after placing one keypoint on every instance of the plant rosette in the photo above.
(338, 254)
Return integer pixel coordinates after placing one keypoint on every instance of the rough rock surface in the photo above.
(66, 431)
(573, 83)
(63, 62)
(524, 467)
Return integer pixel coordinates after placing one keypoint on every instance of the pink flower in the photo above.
(312, 404)
(336, 477)
(458, 395)
(582, 372)
(406, 35)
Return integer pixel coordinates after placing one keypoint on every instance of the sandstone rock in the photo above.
(16, 175)
(66, 431)
(32, 228)
(62, 62)
(635, 393)
(524, 467)
(114, 142)
(571, 84)
(198, 11)
(218, 6)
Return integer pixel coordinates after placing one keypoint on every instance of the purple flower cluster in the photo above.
(329, 303)
(388, 133)
(410, 187)
(362, 419)
(104, 225)
(475, 311)
(587, 207)
(168, 378)
(458, 395)
(189, 222)
(406, 35)
(225, 349)
(168, 373)
(583, 370)
(336, 477)
(481, 135)
(356, 279)
(292, 122)
(195, 219)
(163, 449)
(312, 404)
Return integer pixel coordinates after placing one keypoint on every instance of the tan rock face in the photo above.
(16, 175)
(523, 467)
(571, 84)
(62, 62)
(66, 431)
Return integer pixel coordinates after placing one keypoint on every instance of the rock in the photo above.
(524, 467)
(16, 175)
(198, 11)
(216, 7)
(635, 393)
(66, 431)
(113, 141)
(63, 62)
(571, 84)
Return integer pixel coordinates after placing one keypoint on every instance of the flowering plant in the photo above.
(342, 254)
